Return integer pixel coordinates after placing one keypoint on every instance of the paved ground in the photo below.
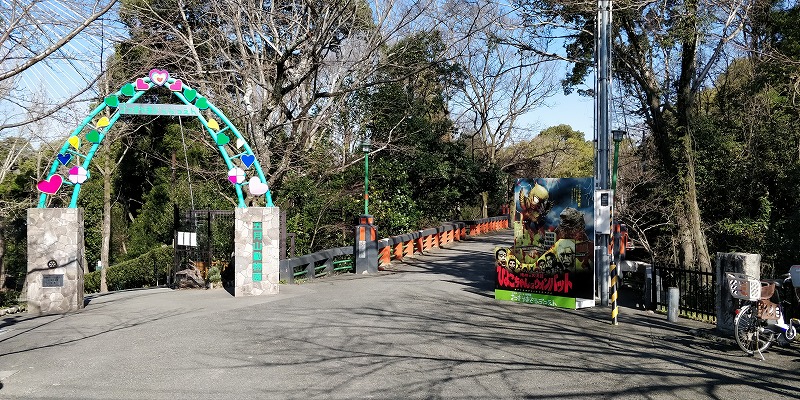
(430, 329)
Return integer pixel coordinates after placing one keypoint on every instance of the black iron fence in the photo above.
(697, 291)
(203, 240)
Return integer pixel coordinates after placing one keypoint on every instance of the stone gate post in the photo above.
(55, 260)
(256, 247)
(743, 263)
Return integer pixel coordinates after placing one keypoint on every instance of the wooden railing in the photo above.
(395, 248)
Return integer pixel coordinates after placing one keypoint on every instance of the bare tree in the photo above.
(282, 70)
(46, 44)
(502, 81)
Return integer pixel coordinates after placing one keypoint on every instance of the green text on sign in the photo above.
(535, 298)
(258, 247)
(158, 109)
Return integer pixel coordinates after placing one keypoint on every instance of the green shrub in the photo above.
(214, 275)
(135, 273)
(9, 298)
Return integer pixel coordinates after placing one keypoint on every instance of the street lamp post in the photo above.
(365, 147)
(365, 250)
(617, 135)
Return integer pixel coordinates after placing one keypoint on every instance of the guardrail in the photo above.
(395, 248)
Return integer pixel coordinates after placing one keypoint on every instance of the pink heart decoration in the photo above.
(176, 86)
(159, 76)
(236, 175)
(256, 187)
(50, 186)
(141, 84)
(77, 175)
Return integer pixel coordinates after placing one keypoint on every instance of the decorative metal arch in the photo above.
(194, 103)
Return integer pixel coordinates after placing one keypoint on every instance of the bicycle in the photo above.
(762, 321)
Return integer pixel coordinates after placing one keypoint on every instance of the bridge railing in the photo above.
(395, 248)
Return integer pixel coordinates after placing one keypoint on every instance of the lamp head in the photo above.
(618, 134)
(366, 145)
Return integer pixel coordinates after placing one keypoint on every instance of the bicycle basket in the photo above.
(768, 310)
(767, 290)
(743, 287)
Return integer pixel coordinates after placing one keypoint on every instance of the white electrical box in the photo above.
(602, 211)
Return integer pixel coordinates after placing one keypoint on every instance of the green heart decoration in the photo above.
(93, 136)
(128, 89)
(201, 103)
(222, 139)
(190, 94)
(112, 101)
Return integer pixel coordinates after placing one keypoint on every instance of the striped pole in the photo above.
(613, 292)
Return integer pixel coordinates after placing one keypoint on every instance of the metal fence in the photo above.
(697, 291)
(203, 239)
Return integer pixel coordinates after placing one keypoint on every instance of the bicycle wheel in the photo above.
(750, 332)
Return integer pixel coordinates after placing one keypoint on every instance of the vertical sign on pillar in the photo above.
(258, 247)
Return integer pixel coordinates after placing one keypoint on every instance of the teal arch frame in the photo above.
(134, 91)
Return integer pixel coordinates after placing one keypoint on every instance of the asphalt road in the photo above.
(428, 329)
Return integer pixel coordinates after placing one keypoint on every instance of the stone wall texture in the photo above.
(247, 247)
(55, 247)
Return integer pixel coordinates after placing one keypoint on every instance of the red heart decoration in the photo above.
(51, 185)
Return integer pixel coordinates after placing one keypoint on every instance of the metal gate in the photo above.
(204, 240)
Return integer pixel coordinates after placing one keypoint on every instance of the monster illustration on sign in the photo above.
(553, 247)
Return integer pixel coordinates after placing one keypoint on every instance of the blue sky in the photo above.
(573, 110)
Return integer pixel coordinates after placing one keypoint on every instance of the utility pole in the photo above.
(602, 135)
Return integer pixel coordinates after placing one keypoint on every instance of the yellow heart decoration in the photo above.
(103, 122)
(212, 123)
(75, 142)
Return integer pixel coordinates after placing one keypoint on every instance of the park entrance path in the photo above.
(428, 328)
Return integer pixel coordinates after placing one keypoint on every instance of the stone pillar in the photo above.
(365, 250)
(743, 263)
(673, 304)
(256, 247)
(55, 260)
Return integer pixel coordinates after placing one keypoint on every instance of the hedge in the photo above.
(135, 273)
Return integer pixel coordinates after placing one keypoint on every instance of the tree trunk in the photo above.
(698, 237)
(2, 254)
(106, 230)
(693, 246)
(485, 204)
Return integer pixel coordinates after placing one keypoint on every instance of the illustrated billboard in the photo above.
(552, 260)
